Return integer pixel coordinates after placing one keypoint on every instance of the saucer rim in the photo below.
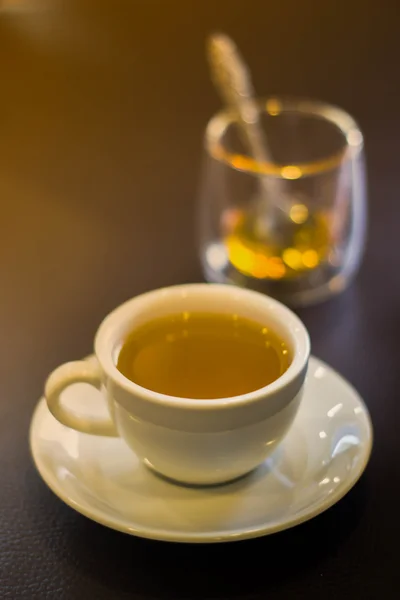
(199, 537)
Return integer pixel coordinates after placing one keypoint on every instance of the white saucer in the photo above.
(321, 458)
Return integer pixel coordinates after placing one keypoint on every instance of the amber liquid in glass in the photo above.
(299, 247)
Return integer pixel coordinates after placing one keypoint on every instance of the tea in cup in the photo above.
(202, 381)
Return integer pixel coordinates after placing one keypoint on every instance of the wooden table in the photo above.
(102, 110)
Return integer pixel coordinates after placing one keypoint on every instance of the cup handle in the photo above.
(82, 371)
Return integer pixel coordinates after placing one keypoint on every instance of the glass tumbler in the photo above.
(293, 227)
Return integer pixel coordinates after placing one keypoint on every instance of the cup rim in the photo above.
(105, 342)
(353, 141)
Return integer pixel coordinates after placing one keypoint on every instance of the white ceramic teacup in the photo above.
(192, 441)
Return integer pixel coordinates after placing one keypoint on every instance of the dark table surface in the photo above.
(102, 109)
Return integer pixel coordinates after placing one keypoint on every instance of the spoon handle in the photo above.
(232, 79)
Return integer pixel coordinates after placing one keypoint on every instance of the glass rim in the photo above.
(343, 121)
